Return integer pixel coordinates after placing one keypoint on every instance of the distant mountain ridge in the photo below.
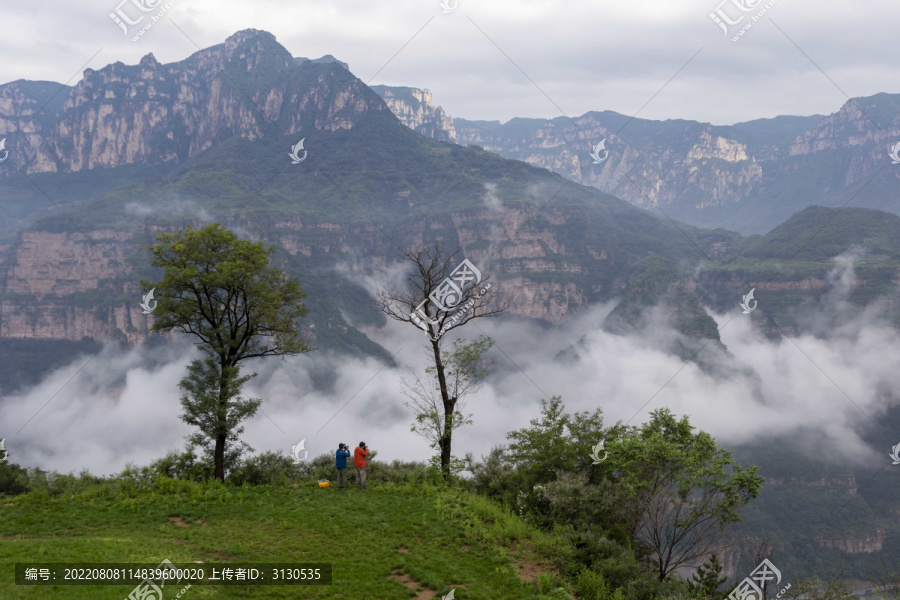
(742, 177)
(747, 177)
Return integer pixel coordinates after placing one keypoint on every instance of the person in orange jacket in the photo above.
(359, 461)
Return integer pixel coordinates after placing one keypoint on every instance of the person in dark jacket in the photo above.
(341, 457)
(359, 461)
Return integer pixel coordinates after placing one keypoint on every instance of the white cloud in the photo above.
(124, 407)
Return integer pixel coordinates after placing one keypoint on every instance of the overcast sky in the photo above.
(583, 54)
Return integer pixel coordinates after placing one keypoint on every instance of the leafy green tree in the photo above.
(681, 489)
(559, 442)
(705, 583)
(222, 290)
(465, 367)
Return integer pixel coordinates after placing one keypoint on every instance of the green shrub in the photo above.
(13, 480)
(559, 593)
(55, 485)
(268, 468)
(189, 465)
(496, 477)
(544, 582)
(705, 583)
(550, 588)
(591, 585)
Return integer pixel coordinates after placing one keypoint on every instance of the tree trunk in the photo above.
(220, 458)
(447, 435)
(446, 446)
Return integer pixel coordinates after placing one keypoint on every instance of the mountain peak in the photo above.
(149, 61)
(328, 58)
(415, 108)
(248, 35)
(165, 113)
(253, 49)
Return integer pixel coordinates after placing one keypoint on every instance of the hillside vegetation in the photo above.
(535, 520)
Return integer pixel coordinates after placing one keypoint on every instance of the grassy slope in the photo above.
(369, 536)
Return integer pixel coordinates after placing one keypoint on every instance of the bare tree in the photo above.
(677, 529)
(442, 295)
(763, 551)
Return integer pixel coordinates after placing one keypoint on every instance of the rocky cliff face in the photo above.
(146, 114)
(151, 113)
(854, 544)
(416, 110)
(249, 88)
(51, 279)
(714, 168)
(859, 122)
